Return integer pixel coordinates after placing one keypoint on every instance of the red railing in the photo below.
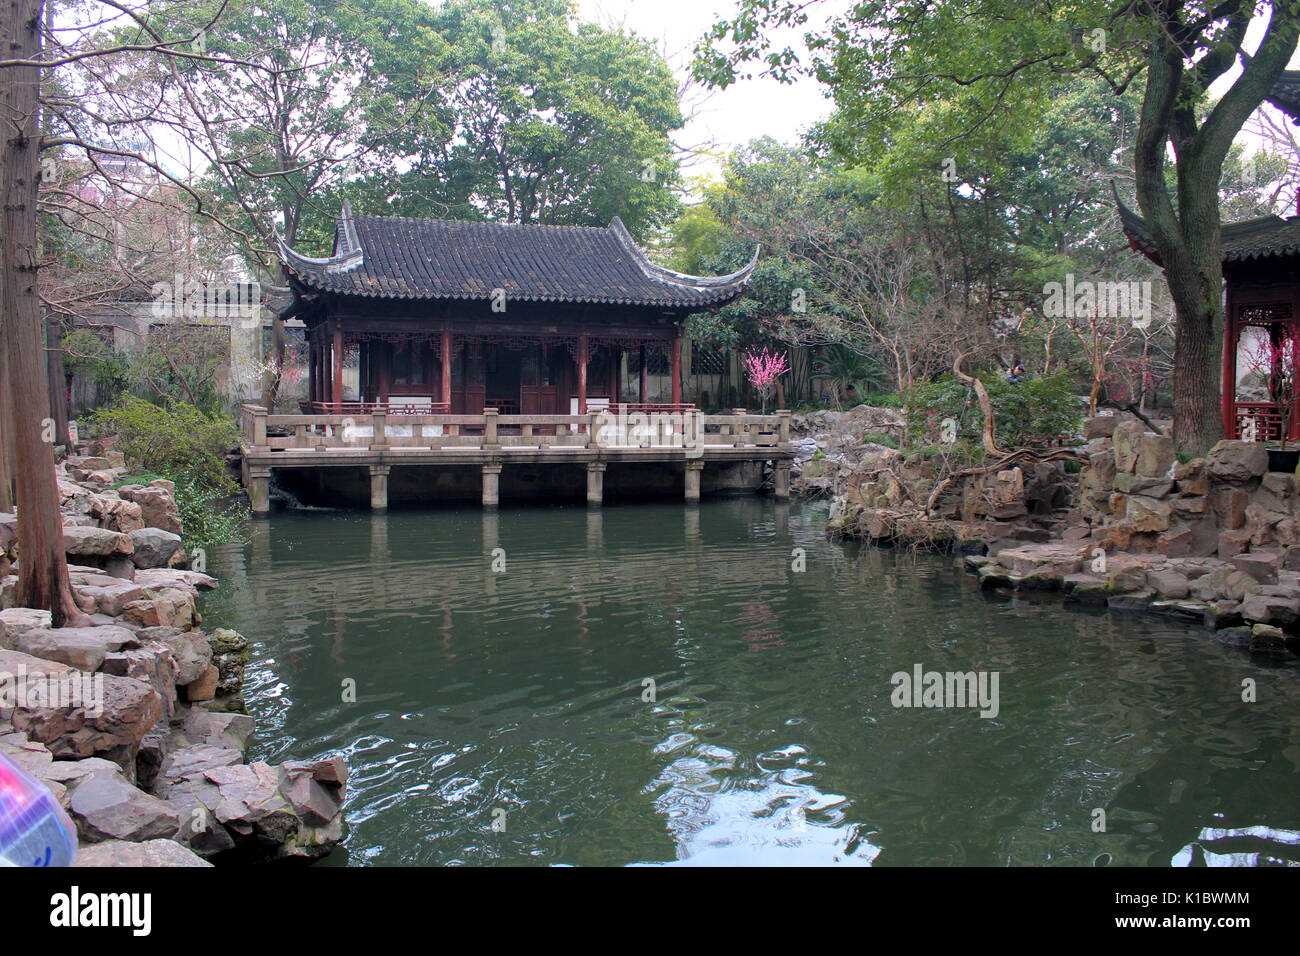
(1261, 420)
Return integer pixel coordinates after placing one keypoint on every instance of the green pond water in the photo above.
(507, 716)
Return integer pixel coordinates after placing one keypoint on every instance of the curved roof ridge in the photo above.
(348, 252)
(655, 271)
(1256, 238)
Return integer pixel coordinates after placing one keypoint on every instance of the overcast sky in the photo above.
(730, 118)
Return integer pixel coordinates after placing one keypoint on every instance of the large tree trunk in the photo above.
(1187, 235)
(43, 569)
(6, 443)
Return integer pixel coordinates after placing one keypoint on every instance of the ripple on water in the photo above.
(521, 699)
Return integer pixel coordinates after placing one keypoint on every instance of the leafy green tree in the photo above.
(927, 83)
(553, 121)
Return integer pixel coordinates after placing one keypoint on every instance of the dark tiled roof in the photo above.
(397, 258)
(1286, 94)
(1242, 241)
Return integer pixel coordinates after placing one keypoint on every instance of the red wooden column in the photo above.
(311, 370)
(337, 397)
(641, 395)
(615, 361)
(677, 370)
(445, 383)
(582, 374)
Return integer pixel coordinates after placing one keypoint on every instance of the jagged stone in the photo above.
(158, 579)
(197, 759)
(1232, 543)
(114, 730)
(154, 548)
(80, 647)
(190, 650)
(18, 619)
(1147, 514)
(1271, 608)
(1263, 566)
(1100, 426)
(1126, 439)
(167, 607)
(150, 853)
(1156, 455)
(205, 688)
(1168, 583)
(96, 542)
(113, 599)
(1237, 461)
(157, 505)
(105, 807)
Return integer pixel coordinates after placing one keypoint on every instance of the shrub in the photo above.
(880, 438)
(187, 447)
(1024, 413)
(176, 440)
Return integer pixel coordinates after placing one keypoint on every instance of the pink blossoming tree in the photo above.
(762, 369)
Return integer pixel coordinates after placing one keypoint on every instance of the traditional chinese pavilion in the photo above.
(452, 317)
(1261, 271)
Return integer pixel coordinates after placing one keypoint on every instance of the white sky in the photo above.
(728, 118)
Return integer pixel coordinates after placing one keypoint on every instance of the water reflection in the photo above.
(515, 694)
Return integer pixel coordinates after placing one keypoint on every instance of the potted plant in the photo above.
(1274, 360)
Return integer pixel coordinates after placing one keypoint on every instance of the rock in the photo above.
(167, 607)
(154, 547)
(1126, 439)
(80, 647)
(113, 599)
(1229, 504)
(218, 729)
(106, 807)
(16, 619)
(1138, 485)
(157, 506)
(1100, 426)
(1191, 478)
(1266, 637)
(311, 801)
(197, 759)
(190, 651)
(119, 515)
(1168, 583)
(230, 655)
(1195, 539)
(1232, 543)
(150, 853)
(205, 688)
(151, 662)
(1263, 566)
(157, 579)
(96, 542)
(1236, 461)
(252, 805)
(1223, 583)
(1156, 455)
(112, 728)
(1278, 483)
(1271, 608)
(1147, 514)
